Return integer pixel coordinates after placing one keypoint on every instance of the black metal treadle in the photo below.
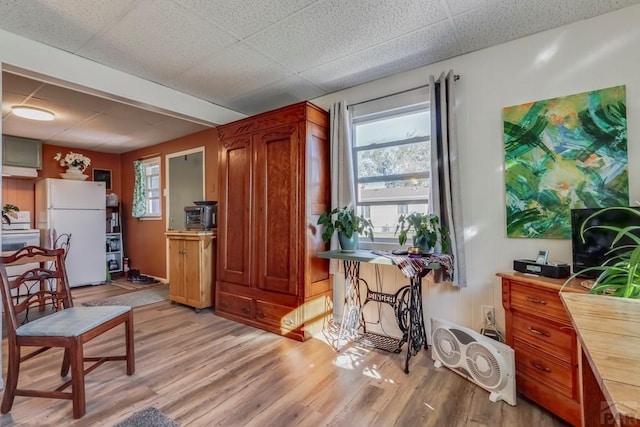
(382, 342)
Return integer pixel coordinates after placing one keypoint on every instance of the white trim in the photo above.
(165, 191)
(37, 60)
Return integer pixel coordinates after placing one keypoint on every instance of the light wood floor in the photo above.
(202, 370)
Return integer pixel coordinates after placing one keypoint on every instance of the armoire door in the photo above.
(234, 212)
(276, 209)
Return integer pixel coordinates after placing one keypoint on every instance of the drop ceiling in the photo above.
(249, 56)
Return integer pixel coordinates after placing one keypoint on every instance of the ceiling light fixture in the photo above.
(32, 113)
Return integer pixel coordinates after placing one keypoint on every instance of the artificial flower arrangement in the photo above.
(75, 160)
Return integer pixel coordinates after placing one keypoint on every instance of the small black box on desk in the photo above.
(554, 270)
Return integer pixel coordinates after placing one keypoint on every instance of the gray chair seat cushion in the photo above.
(71, 322)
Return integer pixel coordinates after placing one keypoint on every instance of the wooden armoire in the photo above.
(274, 184)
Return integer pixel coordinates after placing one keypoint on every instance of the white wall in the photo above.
(587, 55)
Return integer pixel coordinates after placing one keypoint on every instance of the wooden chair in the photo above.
(59, 325)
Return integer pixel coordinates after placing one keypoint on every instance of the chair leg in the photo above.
(13, 369)
(66, 362)
(77, 379)
(131, 362)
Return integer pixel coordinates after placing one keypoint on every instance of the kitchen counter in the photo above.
(609, 339)
(191, 232)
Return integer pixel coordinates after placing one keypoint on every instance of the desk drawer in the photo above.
(547, 336)
(540, 302)
(544, 368)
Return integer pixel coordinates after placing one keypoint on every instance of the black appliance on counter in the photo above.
(202, 216)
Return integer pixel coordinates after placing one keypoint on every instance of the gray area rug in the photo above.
(135, 299)
(150, 417)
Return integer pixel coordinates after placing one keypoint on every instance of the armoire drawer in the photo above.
(276, 315)
(547, 336)
(545, 369)
(538, 301)
(234, 304)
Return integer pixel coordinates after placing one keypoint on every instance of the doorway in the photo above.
(185, 184)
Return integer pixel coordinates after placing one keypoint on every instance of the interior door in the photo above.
(276, 183)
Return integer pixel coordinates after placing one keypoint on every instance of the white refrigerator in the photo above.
(65, 206)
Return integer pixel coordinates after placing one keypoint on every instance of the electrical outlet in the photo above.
(488, 315)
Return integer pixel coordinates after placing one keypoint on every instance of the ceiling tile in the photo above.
(237, 70)
(9, 100)
(65, 24)
(419, 48)
(13, 83)
(456, 7)
(331, 29)
(480, 28)
(157, 40)
(285, 92)
(72, 99)
(243, 18)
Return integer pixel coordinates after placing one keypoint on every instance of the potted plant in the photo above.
(426, 228)
(620, 273)
(347, 224)
(8, 212)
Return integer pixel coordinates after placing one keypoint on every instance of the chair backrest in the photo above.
(63, 241)
(39, 291)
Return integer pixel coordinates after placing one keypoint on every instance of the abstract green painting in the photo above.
(564, 153)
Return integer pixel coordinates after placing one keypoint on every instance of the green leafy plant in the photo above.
(346, 221)
(8, 212)
(426, 228)
(620, 273)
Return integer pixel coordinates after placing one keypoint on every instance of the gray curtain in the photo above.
(139, 208)
(343, 189)
(446, 200)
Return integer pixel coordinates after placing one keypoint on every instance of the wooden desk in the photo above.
(608, 331)
(407, 303)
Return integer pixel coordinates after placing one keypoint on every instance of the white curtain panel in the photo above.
(343, 190)
(446, 199)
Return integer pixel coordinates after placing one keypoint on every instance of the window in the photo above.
(392, 159)
(153, 188)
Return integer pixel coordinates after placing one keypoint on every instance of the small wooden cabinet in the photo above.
(191, 256)
(540, 331)
(274, 184)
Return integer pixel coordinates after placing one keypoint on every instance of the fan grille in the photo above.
(447, 347)
(484, 366)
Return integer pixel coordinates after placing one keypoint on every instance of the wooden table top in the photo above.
(609, 332)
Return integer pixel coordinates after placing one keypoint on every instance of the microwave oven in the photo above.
(200, 217)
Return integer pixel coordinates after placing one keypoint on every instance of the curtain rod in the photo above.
(149, 155)
(456, 77)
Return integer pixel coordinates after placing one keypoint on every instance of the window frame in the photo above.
(147, 163)
(410, 107)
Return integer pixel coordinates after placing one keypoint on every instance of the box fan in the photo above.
(482, 360)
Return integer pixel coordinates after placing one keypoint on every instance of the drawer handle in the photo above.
(540, 367)
(539, 332)
(288, 321)
(536, 301)
(245, 310)
(260, 315)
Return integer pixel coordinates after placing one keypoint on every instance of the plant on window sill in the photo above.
(346, 223)
(426, 228)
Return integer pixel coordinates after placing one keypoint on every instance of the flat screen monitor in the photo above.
(597, 242)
